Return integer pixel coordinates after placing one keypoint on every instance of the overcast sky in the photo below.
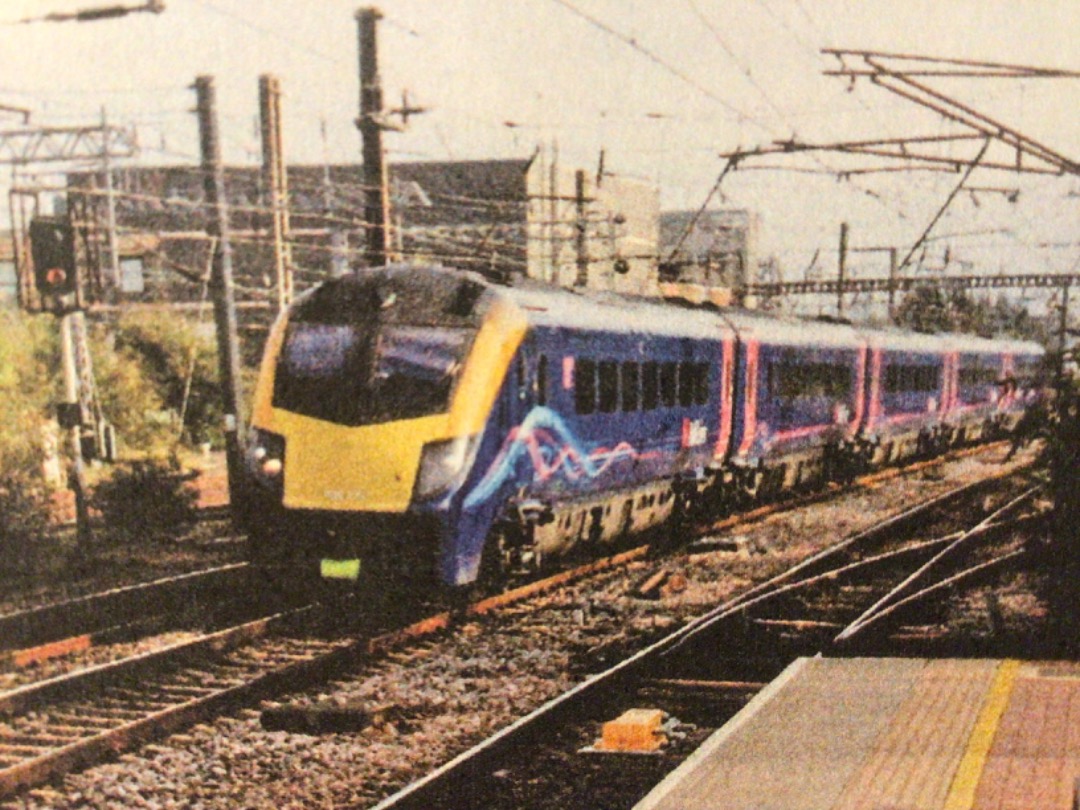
(662, 85)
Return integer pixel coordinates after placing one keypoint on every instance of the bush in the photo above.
(149, 499)
(24, 518)
(131, 401)
(28, 386)
(180, 366)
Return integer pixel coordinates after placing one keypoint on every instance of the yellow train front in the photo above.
(370, 404)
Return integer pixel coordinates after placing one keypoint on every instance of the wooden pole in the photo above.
(221, 285)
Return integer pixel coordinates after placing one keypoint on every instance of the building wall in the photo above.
(714, 248)
(503, 218)
(619, 218)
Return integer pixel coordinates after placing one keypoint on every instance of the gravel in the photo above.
(433, 701)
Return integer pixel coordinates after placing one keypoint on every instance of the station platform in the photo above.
(892, 734)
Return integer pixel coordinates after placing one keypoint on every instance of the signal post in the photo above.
(56, 278)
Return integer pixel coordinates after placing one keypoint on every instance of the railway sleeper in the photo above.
(82, 723)
(39, 739)
(22, 751)
(122, 698)
(169, 691)
(116, 713)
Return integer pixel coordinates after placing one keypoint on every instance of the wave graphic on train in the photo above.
(552, 449)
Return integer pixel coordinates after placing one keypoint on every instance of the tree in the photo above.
(925, 309)
(932, 308)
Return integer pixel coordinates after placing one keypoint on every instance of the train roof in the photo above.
(972, 344)
(793, 331)
(904, 341)
(449, 291)
(921, 342)
(561, 308)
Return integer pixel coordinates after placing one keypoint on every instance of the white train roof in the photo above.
(622, 315)
(792, 331)
(608, 312)
(898, 340)
(977, 345)
(922, 343)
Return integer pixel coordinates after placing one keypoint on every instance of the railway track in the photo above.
(37, 634)
(69, 722)
(841, 600)
(54, 726)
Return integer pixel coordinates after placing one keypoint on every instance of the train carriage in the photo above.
(908, 390)
(981, 369)
(800, 400)
(631, 402)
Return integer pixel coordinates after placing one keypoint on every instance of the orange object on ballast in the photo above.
(635, 730)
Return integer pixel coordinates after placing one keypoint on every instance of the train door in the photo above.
(515, 404)
(529, 380)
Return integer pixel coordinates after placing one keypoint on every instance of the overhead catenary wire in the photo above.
(665, 65)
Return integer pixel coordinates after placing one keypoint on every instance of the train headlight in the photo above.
(443, 463)
(266, 456)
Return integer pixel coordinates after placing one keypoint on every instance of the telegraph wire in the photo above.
(270, 32)
(660, 62)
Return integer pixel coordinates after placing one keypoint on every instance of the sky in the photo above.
(664, 87)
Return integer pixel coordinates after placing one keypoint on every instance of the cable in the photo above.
(662, 63)
(269, 32)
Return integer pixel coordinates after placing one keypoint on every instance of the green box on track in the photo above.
(339, 569)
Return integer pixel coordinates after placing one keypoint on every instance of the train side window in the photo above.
(668, 383)
(909, 378)
(928, 381)
(608, 385)
(892, 379)
(522, 378)
(687, 383)
(631, 396)
(809, 380)
(977, 375)
(701, 388)
(585, 386)
(650, 385)
(541, 379)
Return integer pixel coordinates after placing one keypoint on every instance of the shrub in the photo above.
(130, 400)
(148, 499)
(181, 366)
(28, 385)
(24, 518)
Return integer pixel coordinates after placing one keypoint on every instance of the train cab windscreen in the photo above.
(355, 375)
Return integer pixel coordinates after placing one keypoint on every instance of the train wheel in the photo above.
(494, 563)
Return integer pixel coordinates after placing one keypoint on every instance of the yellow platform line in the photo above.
(969, 772)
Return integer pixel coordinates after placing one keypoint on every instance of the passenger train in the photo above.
(411, 420)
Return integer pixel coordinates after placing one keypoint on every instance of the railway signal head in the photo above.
(52, 246)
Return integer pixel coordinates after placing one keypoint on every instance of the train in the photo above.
(426, 422)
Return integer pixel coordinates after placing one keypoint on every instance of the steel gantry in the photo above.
(21, 147)
(906, 283)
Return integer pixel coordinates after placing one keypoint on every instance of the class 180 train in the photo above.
(417, 421)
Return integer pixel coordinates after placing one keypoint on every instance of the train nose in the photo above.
(372, 468)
